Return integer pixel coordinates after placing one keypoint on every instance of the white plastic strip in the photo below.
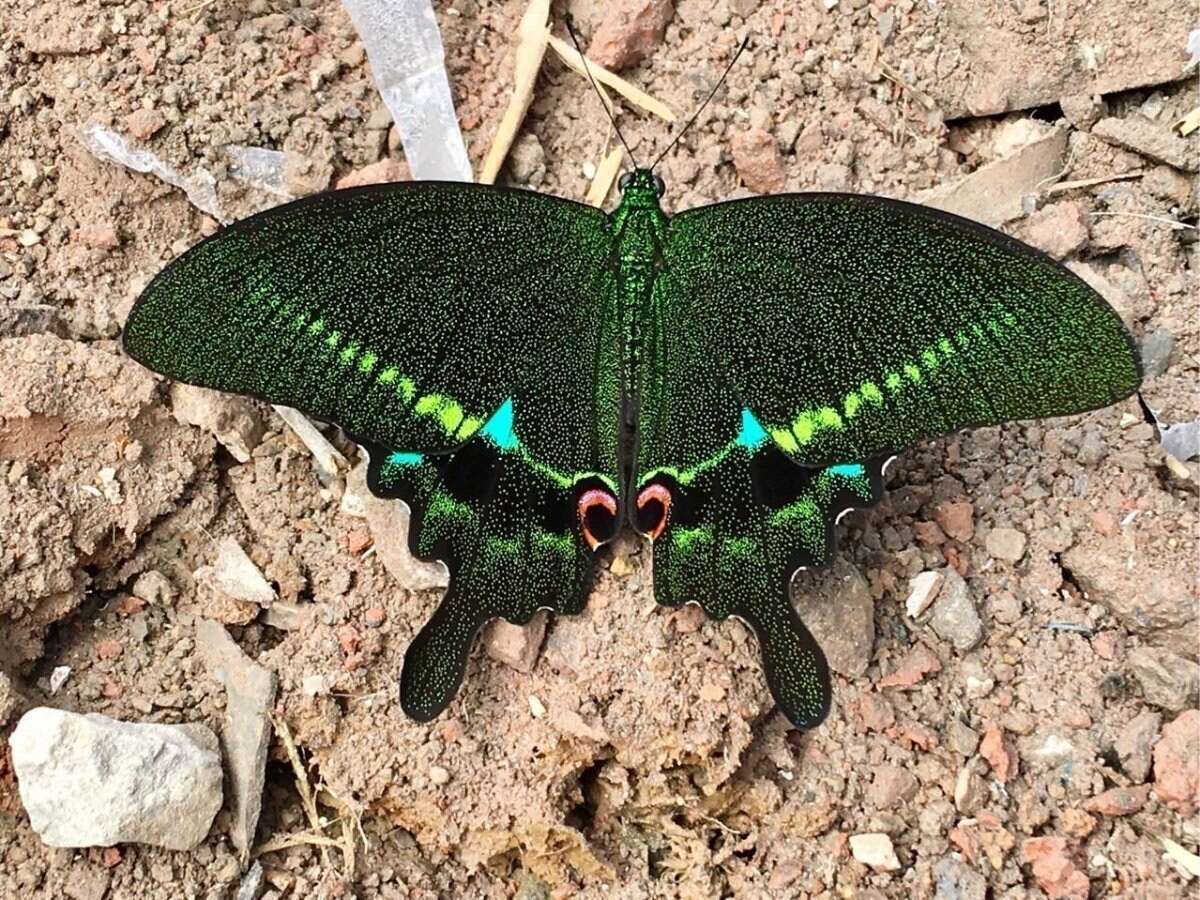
(404, 47)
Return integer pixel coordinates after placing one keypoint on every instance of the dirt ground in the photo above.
(641, 756)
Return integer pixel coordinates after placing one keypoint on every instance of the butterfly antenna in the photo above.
(707, 100)
(596, 87)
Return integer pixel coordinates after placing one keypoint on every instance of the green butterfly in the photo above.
(530, 375)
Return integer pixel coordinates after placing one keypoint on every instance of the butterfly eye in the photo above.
(625, 181)
(660, 186)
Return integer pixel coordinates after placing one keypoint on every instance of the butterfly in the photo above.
(530, 375)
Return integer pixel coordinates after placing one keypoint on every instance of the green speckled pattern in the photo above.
(528, 374)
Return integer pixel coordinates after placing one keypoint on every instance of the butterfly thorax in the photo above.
(639, 229)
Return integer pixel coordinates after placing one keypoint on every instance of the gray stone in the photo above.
(970, 791)
(835, 604)
(1168, 681)
(527, 161)
(91, 781)
(743, 8)
(11, 699)
(252, 883)
(1006, 543)
(516, 645)
(955, 880)
(1156, 351)
(953, 616)
(1135, 745)
(961, 737)
(388, 522)
(235, 575)
(233, 421)
(1149, 139)
(246, 732)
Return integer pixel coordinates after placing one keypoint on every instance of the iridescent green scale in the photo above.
(530, 374)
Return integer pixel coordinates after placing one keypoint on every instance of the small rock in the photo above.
(1149, 139)
(527, 161)
(251, 884)
(1177, 764)
(712, 692)
(233, 421)
(630, 32)
(1134, 745)
(956, 518)
(1168, 681)
(145, 123)
(1119, 801)
(516, 645)
(874, 713)
(382, 172)
(961, 737)
(976, 680)
(1083, 110)
(922, 591)
(99, 236)
(154, 587)
(388, 522)
(1156, 351)
(235, 575)
(875, 850)
(11, 699)
(954, 617)
(1054, 868)
(1167, 184)
(892, 786)
(91, 781)
(743, 8)
(537, 709)
(919, 662)
(246, 732)
(758, 161)
(572, 723)
(970, 791)
(1006, 543)
(1076, 823)
(58, 677)
(835, 604)
(955, 880)
(999, 752)
(439, 775)
(1059, 229)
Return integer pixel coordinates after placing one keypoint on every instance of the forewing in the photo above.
(405, 313)
(855, 326)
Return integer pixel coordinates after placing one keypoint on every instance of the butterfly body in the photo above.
(529, 374)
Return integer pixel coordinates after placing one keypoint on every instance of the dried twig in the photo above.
(532, 35)
(630, 92)
(606, 174)
(302, 786)
(1064, 186)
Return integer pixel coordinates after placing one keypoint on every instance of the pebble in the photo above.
(1119, 801)
(922, 591)
(1149, 139)
(892, 786)
(518, 646)
(919, 662)
(91, 781)
(527, 161)
(1054, 869)
(246, 730)
(1134, 745)
(439, 775)
(999, 753)
(1058, 229)
(143, 124)
(1177, 764)
(970, 791)
(836, 606)
(954, 617)
(875, 850)
(956, 518)
(758, 161)
(955, 880)
(1156, 351)
(235, 575)
(961, 737)
(630, 32)
(1168, 681)
(154, 587)
(233, 421)
(1006, 543)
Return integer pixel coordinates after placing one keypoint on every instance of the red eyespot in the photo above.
(597, 516)
(653, 510)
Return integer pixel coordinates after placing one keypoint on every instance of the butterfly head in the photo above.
(641, 187)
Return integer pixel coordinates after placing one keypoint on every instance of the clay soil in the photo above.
(641, 756)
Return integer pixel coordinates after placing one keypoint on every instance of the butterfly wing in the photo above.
(463, 335)
(731, 516)
(855, 326)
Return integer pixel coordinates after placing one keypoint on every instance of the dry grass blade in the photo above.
(295, 840)
(1064, 186)
(532, 35)
(635, 95)
(302, 786)
(896, 78)
(1188, 123)
(606, 174)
